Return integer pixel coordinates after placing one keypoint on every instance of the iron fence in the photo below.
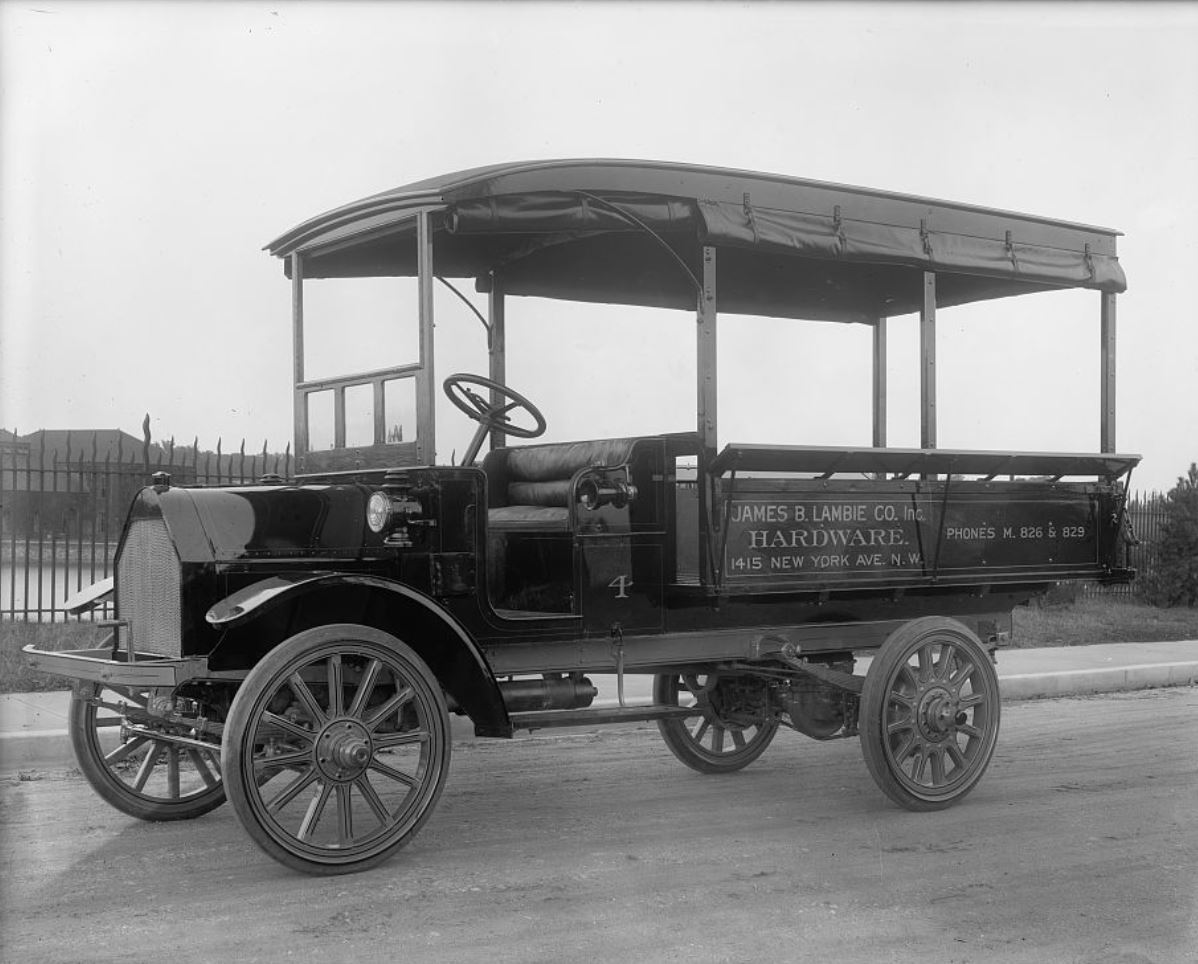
(1146, 513)
(63, 500)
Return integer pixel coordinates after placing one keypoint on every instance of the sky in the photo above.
(148, 152)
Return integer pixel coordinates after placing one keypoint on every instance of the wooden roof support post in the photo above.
(1107, 393)
(879, 383)
(496, 348)
(426, 389)
(705, 357)
(927, 354)
(300, 398)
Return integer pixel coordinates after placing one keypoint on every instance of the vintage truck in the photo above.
(298, 646)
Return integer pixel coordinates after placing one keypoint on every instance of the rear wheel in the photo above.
(716, 739)
(147, 778)
(336, 749)
(929, 714)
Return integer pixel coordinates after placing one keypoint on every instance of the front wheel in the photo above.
(714, 740)
(147, 778)
(929, 714)
(336, 749)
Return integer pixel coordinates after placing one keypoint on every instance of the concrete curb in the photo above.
(1082, 682)
(33, 726)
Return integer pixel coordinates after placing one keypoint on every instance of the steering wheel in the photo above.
(460, 390)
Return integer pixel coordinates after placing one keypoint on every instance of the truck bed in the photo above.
(794, 519)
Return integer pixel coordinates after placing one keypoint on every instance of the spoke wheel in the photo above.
(336, 749)
(707, 742)
(929, 714)
(143, 777)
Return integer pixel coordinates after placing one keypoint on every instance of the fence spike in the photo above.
(145, 445)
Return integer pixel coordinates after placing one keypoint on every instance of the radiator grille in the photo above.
(148, 589)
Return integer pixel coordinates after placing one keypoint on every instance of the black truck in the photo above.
(298, 645)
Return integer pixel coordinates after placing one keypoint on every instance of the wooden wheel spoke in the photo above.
(291, 791)
(291, 729)
(906, 672)
(944, 662)
(717, 739)
(955, 754)
(286, 760)
(304, 695)
(704, 726)
(373, 800)
(389, 740)
(919, 762)
(393, 774)
(926, 668)
(905, 749)
(125, 750)
(391, 706)
(345, 814)
(336, 696)
(972, 700)
(147, 766)
(365, 688)
(172, 771)
(962, 675)
(197, 761)
(936, 757)
(314, 812)
(738, 738)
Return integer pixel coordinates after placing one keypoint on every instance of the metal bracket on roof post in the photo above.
(925, 236)
(1010, 244)
(748, 208)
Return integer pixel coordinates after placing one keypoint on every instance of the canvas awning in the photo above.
(632, 232)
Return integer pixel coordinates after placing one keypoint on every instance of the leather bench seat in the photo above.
(529, 487)
(529, 518)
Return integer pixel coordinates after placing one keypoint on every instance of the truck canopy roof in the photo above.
(632, 232)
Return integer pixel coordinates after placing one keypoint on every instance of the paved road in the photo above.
(1081, 845)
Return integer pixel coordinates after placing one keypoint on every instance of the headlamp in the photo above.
(378, 511)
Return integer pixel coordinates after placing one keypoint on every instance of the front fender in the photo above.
(437, 636)
(251, 601)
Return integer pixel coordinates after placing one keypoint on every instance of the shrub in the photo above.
(1174, 580)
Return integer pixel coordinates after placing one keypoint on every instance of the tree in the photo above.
(1175, 579)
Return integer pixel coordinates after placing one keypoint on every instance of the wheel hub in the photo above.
(939, 713)
(343, 750)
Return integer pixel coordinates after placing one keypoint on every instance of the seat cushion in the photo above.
(560, 460)
(539, 493)
(529, 518)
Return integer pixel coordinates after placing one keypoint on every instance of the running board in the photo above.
(542, 719)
